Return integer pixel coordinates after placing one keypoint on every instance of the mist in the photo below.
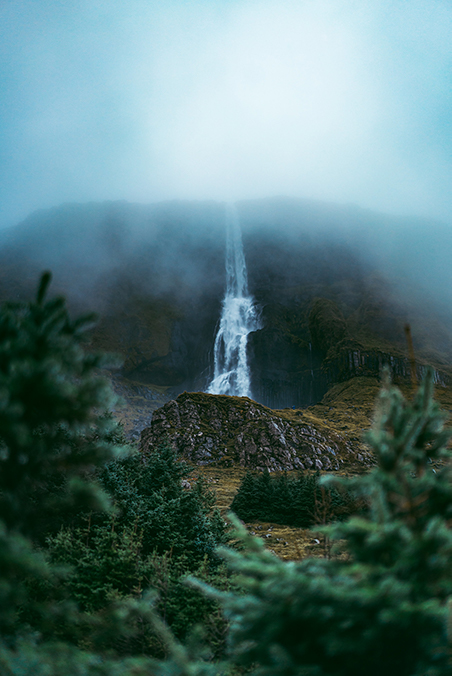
(332, 100)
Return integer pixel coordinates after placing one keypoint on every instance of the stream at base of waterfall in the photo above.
(239, 317)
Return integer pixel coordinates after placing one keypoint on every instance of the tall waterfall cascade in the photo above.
(239, 317)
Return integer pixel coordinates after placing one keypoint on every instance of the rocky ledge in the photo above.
(206, 428)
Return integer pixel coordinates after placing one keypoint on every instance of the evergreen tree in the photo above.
(150, 496)
(265, 489)
(51, 430)
(53, 433)
(247, 501)
(304, 497)
(282, 500)
(160, 532)
(290, 501)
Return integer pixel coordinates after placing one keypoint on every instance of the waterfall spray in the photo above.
(239, 316)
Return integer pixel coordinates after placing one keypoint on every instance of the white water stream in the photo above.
(239, 316)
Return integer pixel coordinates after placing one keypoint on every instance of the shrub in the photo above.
(150, 495)
(290, 501)
(160, 532)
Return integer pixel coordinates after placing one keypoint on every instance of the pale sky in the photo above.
(348, 101)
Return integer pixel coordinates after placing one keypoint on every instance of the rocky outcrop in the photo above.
(208, 428)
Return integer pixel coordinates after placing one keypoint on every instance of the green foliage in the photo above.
(53, 433)
(152, 496)
(50, 429)
(83, 531)
(291, 501)
(161, 531)
(108, 569)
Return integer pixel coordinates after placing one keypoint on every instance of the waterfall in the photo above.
(239, 316)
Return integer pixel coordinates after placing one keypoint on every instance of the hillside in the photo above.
(335, 286)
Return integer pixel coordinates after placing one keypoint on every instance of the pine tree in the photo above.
(247, 501)
(151, 498)
(53, 432)
(289, 501)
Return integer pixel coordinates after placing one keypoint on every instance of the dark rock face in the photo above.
(327, 324)
(356, 362)
(207, 428)
(285, 373)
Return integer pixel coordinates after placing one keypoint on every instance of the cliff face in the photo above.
(206, 428)
(156, 274)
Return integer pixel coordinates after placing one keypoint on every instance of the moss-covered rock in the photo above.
(206, 428)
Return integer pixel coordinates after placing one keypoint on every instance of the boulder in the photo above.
(206, 428)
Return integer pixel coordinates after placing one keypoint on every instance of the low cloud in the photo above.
(147, 100)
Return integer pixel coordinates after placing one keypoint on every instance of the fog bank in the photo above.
(146, 100)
